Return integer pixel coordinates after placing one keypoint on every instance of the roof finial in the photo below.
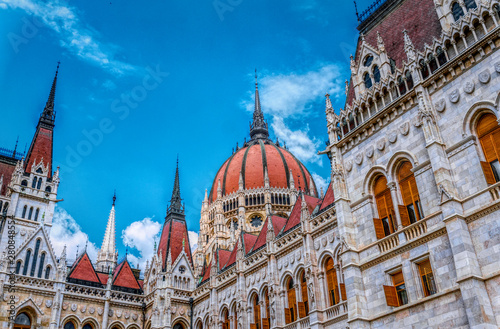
(356, 6)
(48, 115)
(256, 82)
(114, 198)
(15, 148)
(258, 128)
(176, 201)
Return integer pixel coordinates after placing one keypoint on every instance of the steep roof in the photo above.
(7, 166)
(294, 218)
(278, 223)
(83, 270)
(232, 257)
(328, 199)
(248, 241)
(124, 277)
(174, 238)
(206, 275)
(223, 257)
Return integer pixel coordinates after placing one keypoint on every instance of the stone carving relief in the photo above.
(393, 137)
(369, 152)
(83, 308)
(484, 77)
(73, 307)
(469, 87)
(48, 303)
(440, 105)
(91, 310)
(358, 158)
(65, 306)
(100, 311)
(497, 67)
(404, 129)
(348, 165)
(381, 144)
(455, 96)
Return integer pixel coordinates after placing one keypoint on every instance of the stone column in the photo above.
(337, 269)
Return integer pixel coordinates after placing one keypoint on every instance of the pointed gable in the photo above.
(174, 239)
(206, 274)
(328, 199)
(124, 277)
(248, 241)
(41, 148)
(232, 257)
(294, 218)
(83, 272)
(277, 222)
(223, 257)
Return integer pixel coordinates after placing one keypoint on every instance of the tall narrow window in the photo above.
(5, 208)
(39, 184)
(26, 262)
(396, 295)
(376, 74)
(409, 80)
(432, 63)
(37, 212)
(256, 312)
(18, 267)
(25, 208)
(40, 266)
(401, 86)
(47, 272)
(304, 304)
(35, 257)
(368, 81)
(427, 278)
(457, 11)
(33, 183)
(441, 56)
(291, 311)
(30, 213)
(331, 282)
(488, 132)
(411, 211)
(225, 324)
(424, 69)
(470, 4)
(266, 322)
(385, 223)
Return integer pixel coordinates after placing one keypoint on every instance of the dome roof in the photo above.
(251, 161)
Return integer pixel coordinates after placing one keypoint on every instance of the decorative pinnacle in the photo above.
(258, 128)
(114, 198)
(176, 201)
(48, 115)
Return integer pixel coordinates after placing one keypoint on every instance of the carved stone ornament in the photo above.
(369, 152)
(100, 311)
(484, 77)
(91, 310)
(381, 144)
(48, 303)
(455, 96)
(324, 241)
(39, 302)
(497, 67)
(469, 87)
(65, 306)
(126, 315)
(393, 137)
(348, 166)
(73, 307)
(83, 308)
(110, 313)
(23, 232)
(359, 158)
(404, 129)
(134, 317)
(316, 245)
(118, 314)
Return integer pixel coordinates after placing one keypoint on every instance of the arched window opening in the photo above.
(25, 208)
(22, 321)
(30, 213)
(37, 212)
(267, 305)
(291, 311)
(177, 326)
(225, 324)
(401, 86)
(432, 63)
(496, 8)
(393, 65)
(352, 124)
(33, 183)
(376, 74)
(368, 61)
(18, 267)
(47, 273)
(385, 224)
(332, 282)
(39, 185)
(424, 69)
(26, 262)
(488, 132)
(24, 183)
(40, 266)
(69, 325)
(470, 4)
(88, 326)
(457, 11)
(441, 56)
(35, 257)
(411, 211)
(5, 208)
(409, 80)
(304, 305)
(345, 129)
(256, 312)
(368, 81)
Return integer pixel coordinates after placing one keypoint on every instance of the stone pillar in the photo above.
(337, 269)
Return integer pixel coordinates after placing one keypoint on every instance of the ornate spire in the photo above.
(48, 115)
(176, 201)
(106, 257)
(258, 128)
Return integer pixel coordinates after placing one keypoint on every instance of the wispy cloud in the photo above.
(321, 182)
(65, 231)
(290, 97)
(76, 36)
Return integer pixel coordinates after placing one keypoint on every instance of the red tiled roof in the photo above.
(83, 270)
(250, 162)
(248, 241)
(206, 275)
(141, 283)
(164, 239)
(294, 218)
(103, 277)
(278, 223)
(174, 238)
(124, 277)
(41, 147)
(329, 198)
(223, 257)
(6, 169)
(232, 257)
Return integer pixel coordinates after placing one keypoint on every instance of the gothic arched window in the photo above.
(88, 326)
(48, 189)
(470, 4)
(376, 74)
(33, 183)
(424, 69)
(47, 273)
(401, 86)
(291, 311)
(24, 182)
(331, 282)
(30, 213)
(457, 11)
(256, 312)
(37, 212)
(385, 224)
(35, 257)
(69, 325)
(18, 266)
(368, 81)
(39, 185)
(441, 56)
(411, 211)
(26, 262)
(22, 321)
(40, 266)
(368, 61)
(304, 305)
(409, 80)
(432, 63)
(488, 132)
(25, 208)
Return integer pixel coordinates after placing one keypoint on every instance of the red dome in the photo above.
(251, 161)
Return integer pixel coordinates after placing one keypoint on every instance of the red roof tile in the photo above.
(124, 277)
(83, 270)
(174, 238)
(248, 241)
(232, 257)
(329, 198)
(206, 275)
(41, 147)
(6, 169)
(223, 257)
(294, 218)
(103, 277)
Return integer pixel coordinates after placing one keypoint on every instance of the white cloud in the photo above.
(141, 236)
(77, 37)
(320, 182)
(66, 232)
(193, 240)
(290, 97)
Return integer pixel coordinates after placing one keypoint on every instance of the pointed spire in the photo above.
(328, 102)
(176, 201)
(48, 115)
(409, 47)
(15, 148)
(258, 128)
(106, 256)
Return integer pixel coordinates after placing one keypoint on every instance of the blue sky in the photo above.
(150, 80)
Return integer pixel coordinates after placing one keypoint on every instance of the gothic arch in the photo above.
(473, 114)
(324, 256)
(133, 326)
(232, 307)
(72, 317)
(224, 308)
(284, 277)
(180, 320)
(29, 307)
(297, 271)
(396, 159)
(370, 177)
(92, 321)
(198, 323)
(262, 290)
(118, 324)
